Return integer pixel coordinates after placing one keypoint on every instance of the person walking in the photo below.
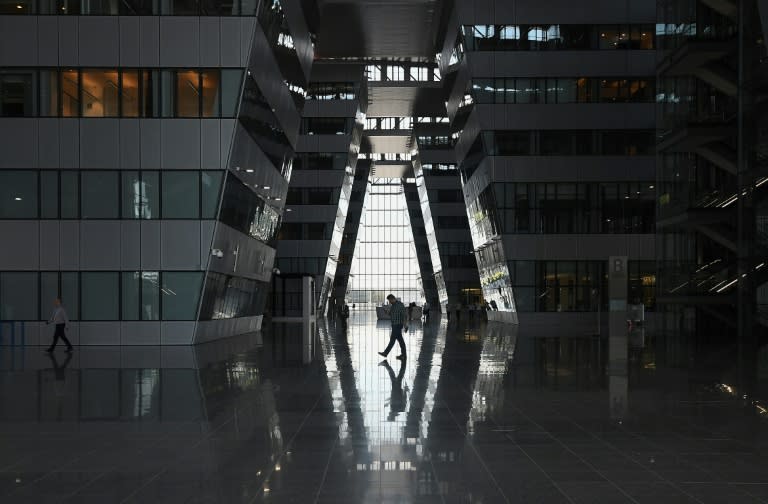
(397, 317)
(60, 320)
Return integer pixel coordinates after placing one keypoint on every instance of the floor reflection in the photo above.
(478, 413)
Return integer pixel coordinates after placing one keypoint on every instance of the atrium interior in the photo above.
(383, 251)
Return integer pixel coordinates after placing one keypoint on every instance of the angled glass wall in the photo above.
(385, 260)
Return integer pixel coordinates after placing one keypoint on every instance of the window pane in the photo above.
(646, 36)
(249, 7)
(70, 195)
(16, 94)
(167, 93)
(511, 143)
(526, 90)
(584, 90)
(482, 90)
(131, 201)
(211, 93)
(49, 194)
(181, 293)
(70, 97)
(553, 143)
(49, 290)
(99, 194)
(525, 299)
(150, 195)
(138, 8)
(101, 7)
(180, 7)
(140, 195)
(99, 296)
(49, 93)
(567, 90)
(130, 295)
(100, 93)
(230, 91)
(70, 287)
(187, 93)
(150, 295)
(130, 93)
(609, 37)
(18, 296)
(181, 198)
(16, 7)
(18, 194)
(610, 90)
(641, 91)
(211, 188)
(150, 94)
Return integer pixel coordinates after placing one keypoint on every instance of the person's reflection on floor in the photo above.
(59, 386)
(60, 370)
(398, 396)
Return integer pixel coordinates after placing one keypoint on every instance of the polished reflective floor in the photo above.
(477, 413)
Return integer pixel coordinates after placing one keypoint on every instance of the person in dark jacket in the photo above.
(397, 316)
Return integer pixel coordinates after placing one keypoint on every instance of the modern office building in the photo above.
(442, 200)
(324, 169)
(194, 178)
(553, 120)
(161, 163)
(147, 151)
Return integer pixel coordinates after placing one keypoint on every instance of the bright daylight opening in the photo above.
(384, 261)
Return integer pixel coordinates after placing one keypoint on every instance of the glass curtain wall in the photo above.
(385, 260)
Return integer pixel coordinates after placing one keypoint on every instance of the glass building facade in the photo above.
(162, 161)
(147, 155)
(556, 159)
(385, 255)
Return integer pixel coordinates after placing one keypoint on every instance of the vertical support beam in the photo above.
(745, 225)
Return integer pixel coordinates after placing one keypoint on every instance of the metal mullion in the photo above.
(59, 92)
(119, 96)
(79, 93)
(200, 92)
(119, 295)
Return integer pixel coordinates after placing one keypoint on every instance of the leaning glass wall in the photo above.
(385, 260)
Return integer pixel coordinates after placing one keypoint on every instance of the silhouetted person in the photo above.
(425, 311)
(60, 320)
(397, 317)
(397, 397)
